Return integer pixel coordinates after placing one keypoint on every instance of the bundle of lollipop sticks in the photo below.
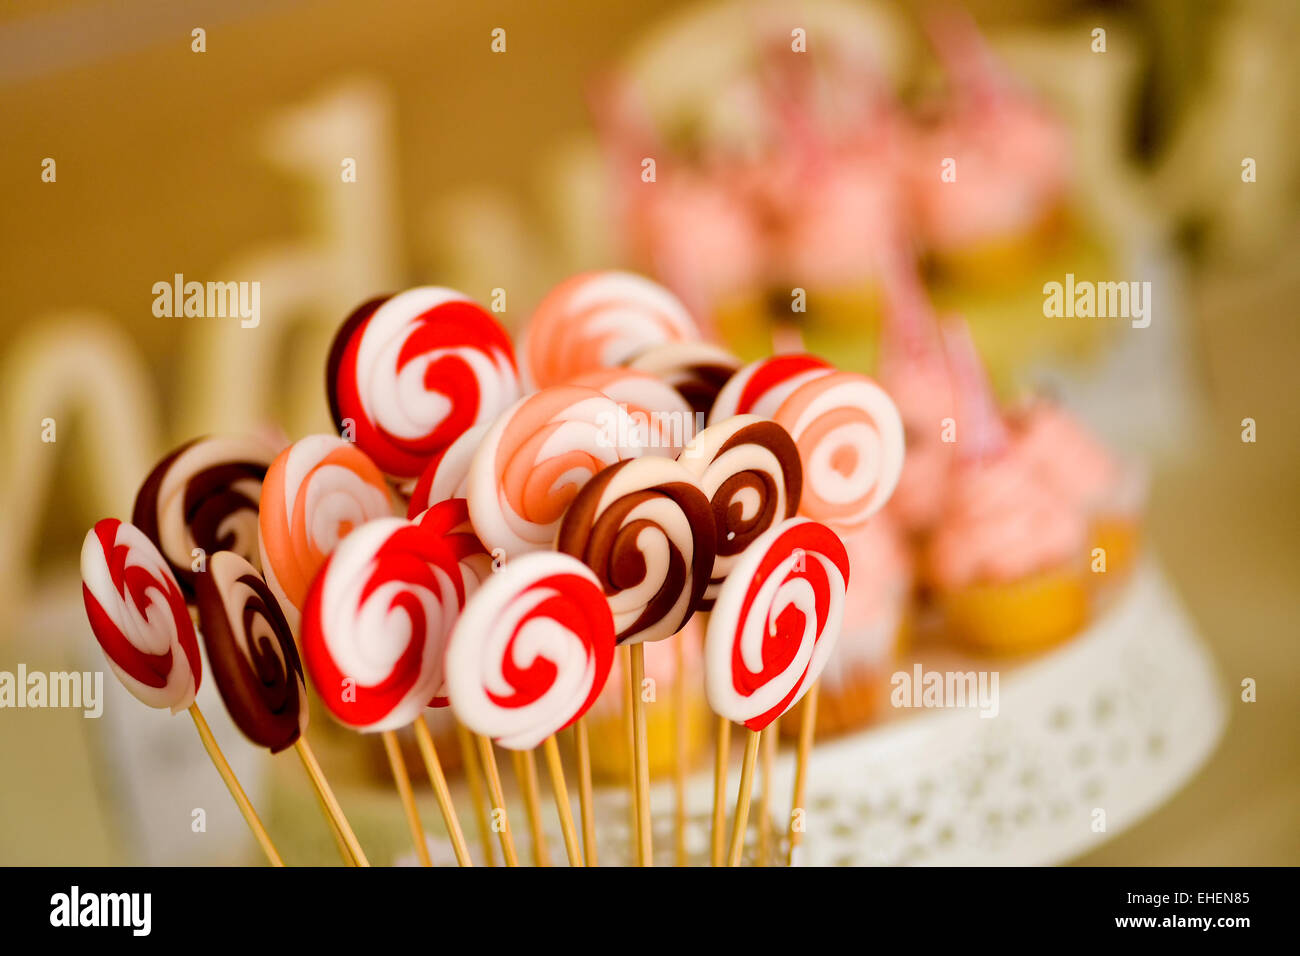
(594, 492)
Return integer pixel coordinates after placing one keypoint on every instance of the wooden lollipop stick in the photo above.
(741, 823)
(440, 790)
(333, 810)
(721, 754)
(526, 777)
(629, 727)
(679, 753)
(474, 777)
(393, 748)
(641, 749)
(232, 784)
(489, 758)
(586, 802)
(806, 727)
(767, 757)
(556, 767)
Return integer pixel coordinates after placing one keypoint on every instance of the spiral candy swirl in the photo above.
(204, 495)
(696, 369)
(413, 371)
(536, 457)
(375, 624)
(662, 420)
(597, 320)
(646, 529)
(761, 386)
(447, 474)
(532, 650)
(138, 615)
(315, 492)
(775, 622)
(251, 652)
(749, 468)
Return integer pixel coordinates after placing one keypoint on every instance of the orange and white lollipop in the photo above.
(665, 423)
(597, 320)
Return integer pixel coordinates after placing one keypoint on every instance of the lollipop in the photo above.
(375, 623)
(534, 459)
(600, 319)
(532, 650)
(251, 652)
(696, 369)
(203, 496)
(663, 421)
(448, 521)
(447, 473)
(749, 469)
(138, 614)
(645, 527)
(850, 441)
(413, 371)
(775, 622)
(760, 387)
(315, 492)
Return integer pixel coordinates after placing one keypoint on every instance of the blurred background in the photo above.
(485, 170)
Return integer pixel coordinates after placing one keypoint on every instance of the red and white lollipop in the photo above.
(760, 387)
(413, 371)
(532, 650)
(597, 320)
(138, 614)
(315, 492)
(536, 457)
(375, 624)
(447, 475)
(775, 622)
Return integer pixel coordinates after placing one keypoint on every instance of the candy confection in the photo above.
(315, 492)
(697, 370)
(534, 459)
(531, 651)
(409, 373)
(760, 387)
(251, 653)
(749, 468)
(204, 496)
(663, 421)
(447, 474)
(646, 528)
(596, 320)
(138, 615)
(775, 622)
(375, 624)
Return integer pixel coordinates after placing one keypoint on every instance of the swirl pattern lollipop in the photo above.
(532, 650)
(646, 528)
(447, 475)
(414, 371)
(534, 459)
(775, 622)
(251, 652)
(663, 422)
(315, 492)
(749, 469)
(138, 615)
(204, 495)
(448, 521)
(696, 369)
(760, 387)
(850, 440)
(600, 319)
(375, 624)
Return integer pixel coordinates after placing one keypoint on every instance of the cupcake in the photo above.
(608, 727)
(1007, 559)
(1071, 460)
(874, 631)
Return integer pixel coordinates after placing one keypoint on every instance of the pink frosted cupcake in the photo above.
(1007, 560)
(874, 632)
(1071, 460)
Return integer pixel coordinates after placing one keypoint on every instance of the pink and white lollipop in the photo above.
(597, 320)
(138, 615)
(775, 622)
(375, 624)
(532, 650)
(413, 371)
(534, 460)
